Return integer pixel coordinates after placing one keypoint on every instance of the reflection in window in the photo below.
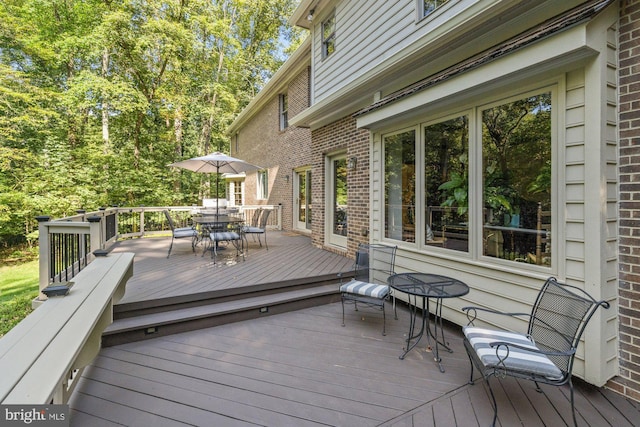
(516, 173)
(328, 36)
(447, 184)
(400, 186)
(284, 111)
(431, 5)
(302, 197)
(340, 197)
(263, 185)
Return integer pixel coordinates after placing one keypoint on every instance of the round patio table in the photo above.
(427, 286)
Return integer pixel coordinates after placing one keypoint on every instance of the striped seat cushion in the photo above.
(518, 359)
(365, 289)
(184, 232)
(220, 236)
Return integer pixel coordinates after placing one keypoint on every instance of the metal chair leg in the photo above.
(170, 246)
(573, 408)
(494, 403)
(384, 321)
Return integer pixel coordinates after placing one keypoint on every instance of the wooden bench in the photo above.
(41, 357)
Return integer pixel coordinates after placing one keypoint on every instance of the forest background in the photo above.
(98, 96)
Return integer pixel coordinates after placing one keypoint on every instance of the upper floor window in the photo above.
(428, 6)
(263, 185)
(284, 111)
(329, 36)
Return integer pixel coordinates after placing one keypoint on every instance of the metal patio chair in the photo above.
(260, 227)
(546, 352)
(181, 233)
(225, 232)
(373, 266)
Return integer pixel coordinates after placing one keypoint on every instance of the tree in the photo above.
(98, 96)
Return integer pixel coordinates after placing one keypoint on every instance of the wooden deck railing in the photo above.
(68, 245)
(42, 356)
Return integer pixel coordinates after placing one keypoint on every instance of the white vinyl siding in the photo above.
(584, 223)
(367, 39)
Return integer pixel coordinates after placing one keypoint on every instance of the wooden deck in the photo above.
(290, 257)
(302, 368)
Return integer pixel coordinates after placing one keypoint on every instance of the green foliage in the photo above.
(18, 287)
(457, 189)
(97, 98)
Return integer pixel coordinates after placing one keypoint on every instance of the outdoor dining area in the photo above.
(221, 230)
(215, 226)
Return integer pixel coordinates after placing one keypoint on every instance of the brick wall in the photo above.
(628, 382)
(342, 136)
(261, 142)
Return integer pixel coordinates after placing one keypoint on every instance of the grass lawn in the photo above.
(18, 286)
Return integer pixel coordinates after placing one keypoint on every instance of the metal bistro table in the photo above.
(427, 286)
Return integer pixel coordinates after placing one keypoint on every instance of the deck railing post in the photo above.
(117, 222)
(103, 227)
(44, 254)
(95, 233)
(279, 224)
(141, 221)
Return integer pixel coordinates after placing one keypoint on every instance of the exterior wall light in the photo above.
(352, 163)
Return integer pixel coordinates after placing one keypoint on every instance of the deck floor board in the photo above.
(301, 368)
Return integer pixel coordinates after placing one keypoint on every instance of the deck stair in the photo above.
(153, 318)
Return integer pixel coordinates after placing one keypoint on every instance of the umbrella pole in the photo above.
(217, 185)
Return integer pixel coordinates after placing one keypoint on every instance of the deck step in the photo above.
(225, 310)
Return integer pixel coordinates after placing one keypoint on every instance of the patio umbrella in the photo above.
(216, 162)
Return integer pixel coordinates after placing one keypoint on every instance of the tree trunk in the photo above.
(105, 104)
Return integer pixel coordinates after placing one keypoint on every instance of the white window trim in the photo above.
(323, 50)
(330, 238)
(436, 12)
(475, 254)
(262, 188)
(283, 113)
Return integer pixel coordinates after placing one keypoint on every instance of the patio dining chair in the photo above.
(181, 233)
(373, 266)
(546, 352)
(259, 227)
(224, 232)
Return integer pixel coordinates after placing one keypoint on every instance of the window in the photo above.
(336, 206)
(446, 172)
(428, 6)
(328, 36)
(400, 186)
(234, 192)
(516, 180)
(506, 212)
(284, 108)
(263, 185)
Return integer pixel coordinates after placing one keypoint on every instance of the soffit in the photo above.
(480, 27)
